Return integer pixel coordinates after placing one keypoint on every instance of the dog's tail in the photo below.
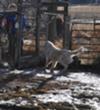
(78, 51)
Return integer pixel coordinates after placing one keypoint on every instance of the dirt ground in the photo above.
(34, 89)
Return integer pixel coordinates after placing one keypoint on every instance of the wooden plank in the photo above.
(63, 3)
(85, 30)
(55, 12)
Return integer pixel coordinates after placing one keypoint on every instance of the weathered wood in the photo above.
(37, 28)
(19, 34)
(67, 37)
(52, 26)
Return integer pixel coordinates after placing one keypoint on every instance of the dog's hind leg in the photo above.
(64, 71)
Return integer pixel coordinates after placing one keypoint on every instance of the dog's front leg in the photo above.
(46, 66)
(54, 63)
(47, 63)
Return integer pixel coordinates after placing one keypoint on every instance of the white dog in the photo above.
(56, 55)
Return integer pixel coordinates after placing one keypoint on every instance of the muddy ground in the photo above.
(33, 89)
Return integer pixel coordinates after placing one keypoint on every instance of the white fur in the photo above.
(56, 55)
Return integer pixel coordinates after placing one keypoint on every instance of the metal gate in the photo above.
(85, 31)
(31, 38)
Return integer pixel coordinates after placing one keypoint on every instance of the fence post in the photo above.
(67, 37)
(52, 25)
(37, 27)
(19, 34)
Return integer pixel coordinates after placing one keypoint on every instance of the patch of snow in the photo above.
(10, 102)
(59, 91)
(18, 102)
(23, 103)
(16, 71)
(31, 85)
(61, 96)
(35, 103)
(27, 72)
(5, 64)
(47, 70)
(44, 75)
(24, 72)
(94, 105)
(55, 71)
(63, 78)
(86, 78)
